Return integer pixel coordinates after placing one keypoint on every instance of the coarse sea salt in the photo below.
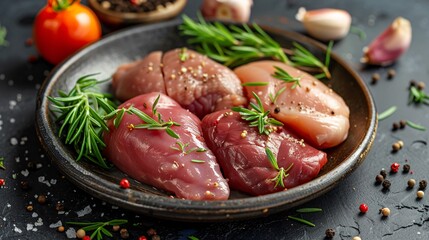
(16, 229)
(71, 233)
(85, 211)
(57, 224)
(25, 172)
(34, 215)
(39, 222)
(13, 141)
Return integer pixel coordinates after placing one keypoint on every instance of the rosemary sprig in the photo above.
(81, 114)
(255, 84)
(149, 122)
(416, 126)
(309, 210)
(232, 46)
(257, 116)
(98, 228)
(2, 163)
(418, 96)
(193, 238)
(182, 148)
(273, 98)
(387, 113)
(303, 58)
(284, 76)
(282, 173)
(301, 220)
(3, 33)
(197, 161)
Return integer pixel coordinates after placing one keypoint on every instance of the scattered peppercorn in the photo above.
(80, 233)
(41, 199)
(411, 183)
(383, 173)
(386, 184)
(395, 126)
(29, 207)
(124, 233)
(363, 208)
(391, 73)
(420, 194)
(24, 185)
(156, 237)
(423, 184)
(385, 211)
(2, 182)
(276, 110)
(357, 238)
(116, 228)
(330, 233)
(396, 147)
(151, 232)
(59, 206)
(406, 168)
(413, 83)
(394, 167)
(421, 85)
(60, 229)
(375, 77)
(124, 183)
(379, 179)
(402, 124)
(86, 237)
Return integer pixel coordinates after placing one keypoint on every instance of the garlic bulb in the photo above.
(227, 10)
(325, 24)
(390, 44)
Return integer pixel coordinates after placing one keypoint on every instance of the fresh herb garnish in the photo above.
(182, 148)
(284, 76)
(387, 113)
(308, 210)
(303, 58)
(257, 116)
(301, 220)
(255, 84)
(183, 55)
(231, 45)
(2, 163)
(418, 96)
(3, 33)
(358, 31)
(197, 161)
(416, 126)
(81, 114)
(149, 122)
(193, 238)
(282, 173)
(99, 227)
(276, 95)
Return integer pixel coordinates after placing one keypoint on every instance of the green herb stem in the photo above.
(301, 220)
(3, 33)
(98, 228)
(309, 210)
(2, 163)
(387, 113)
(282, 172)
(416, 126)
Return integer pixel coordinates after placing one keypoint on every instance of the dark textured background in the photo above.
(20, 80)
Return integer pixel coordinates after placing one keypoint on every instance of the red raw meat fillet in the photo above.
(193, 80)
(240, 151)
(149, 155)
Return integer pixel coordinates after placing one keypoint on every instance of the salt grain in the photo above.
(30, 226)
(13, 141)
(71, 233)
(34, 215)
(85, 211)
(16, 229)
(55, 225)
(12, 120)
(2, 77)
(39, 222)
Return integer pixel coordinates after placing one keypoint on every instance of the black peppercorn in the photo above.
(59, 206)
(24, 185)
(402, 123)
(386, 184)
(276, 110)
(406, 168)
(391, 73)
(413, 83)
(383, 173)
(151, 232)
(379, 178)
(395, 126)
(41, 199)
(421, 85)
(375, 77)
(423, 184)
(330, 233)
(124, 233)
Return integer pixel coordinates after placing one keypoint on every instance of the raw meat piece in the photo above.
(314, 111)
(240, 151)
(155, 158)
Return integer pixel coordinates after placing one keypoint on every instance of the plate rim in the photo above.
(161, 206)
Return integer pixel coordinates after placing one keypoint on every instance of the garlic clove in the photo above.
(227, 10)
(325, 24)
(390, 44)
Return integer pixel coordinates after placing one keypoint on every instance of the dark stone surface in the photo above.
(19, 81)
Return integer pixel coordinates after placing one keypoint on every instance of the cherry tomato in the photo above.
(62, 27)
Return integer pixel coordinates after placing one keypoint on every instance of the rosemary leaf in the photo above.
(98, 228)
(416, 126)
(3, 33)
(197, 161)
(358, 31)
(387, 113)
(309, 210)
(284, 76)
(272, 158)
(2, 163)
(193, 238)
(255, 84)
(301, 220)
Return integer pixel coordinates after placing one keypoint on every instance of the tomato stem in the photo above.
(60, 5)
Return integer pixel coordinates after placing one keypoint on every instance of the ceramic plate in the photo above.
(124, 46)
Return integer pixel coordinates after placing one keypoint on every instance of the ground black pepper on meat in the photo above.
(134, 6)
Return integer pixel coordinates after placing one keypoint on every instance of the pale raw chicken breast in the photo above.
(155, 158)
(240, 150)
(142, 76)
(314, 111)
